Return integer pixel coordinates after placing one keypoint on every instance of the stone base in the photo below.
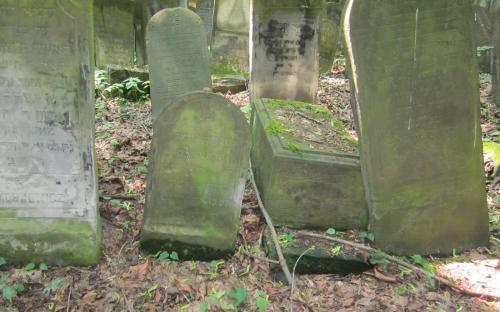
(229, 83)
(317, 261)
(306, 189)
(54, 242)
(118, 74)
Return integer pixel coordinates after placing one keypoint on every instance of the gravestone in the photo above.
(48, 193)
(496, 62)
(232, 26)
(285, 49)
(178, 54)
(114, 32)
(205, 10)
(199, 161)
(329, 34)
(420, 134)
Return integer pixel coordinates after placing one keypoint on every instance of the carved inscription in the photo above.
(285, 50)
(45, 140)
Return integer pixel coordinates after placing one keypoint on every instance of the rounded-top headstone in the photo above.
(198, 167)
(178, 56)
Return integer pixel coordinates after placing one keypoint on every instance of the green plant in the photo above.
(378, 257)
(330, 231)
(165, 255)
(239, 295)
(247, 109)
(368, 235)
(337, 251)
(54, 285)
(276, 128)
(262, 300)
(9, 292)
(426, 265)
(134, 88)
(287, 238)
(3, 261)
(405, 289)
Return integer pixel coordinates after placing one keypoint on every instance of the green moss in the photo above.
(60, 242)
(223, 68)
(493, 149)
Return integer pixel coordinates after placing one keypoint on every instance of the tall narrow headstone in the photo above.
(48, 193)
(496, 59)
(178, 56)
(415, 76)
(198, 168)
(329, 34)
(205, 10)
(285, 49)
(114, 29)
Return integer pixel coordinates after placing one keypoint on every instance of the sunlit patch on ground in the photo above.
(479, 276)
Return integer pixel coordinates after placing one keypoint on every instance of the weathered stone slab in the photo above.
(285, 49)
(329, 34)
(178, 54)
(199, 163)
(114, 32)
(319, 260)
(303, 186)
(233, 16)
(421, 148)
(48, 194)
(118, 74)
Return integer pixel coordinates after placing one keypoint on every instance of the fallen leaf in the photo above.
(139, 271)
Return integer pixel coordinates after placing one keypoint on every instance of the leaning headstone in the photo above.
(48, 193)
(421, 148)
(178, 54)
(198, 168)
(285, 49)
(114, 32)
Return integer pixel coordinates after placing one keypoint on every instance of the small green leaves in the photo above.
(203, 306)
(239, 295)
(43, 267)
(54, 285)
(378, 257)
(426, 265)
(330, 231)
(165, 255)
(29, 267)
(367, 235)
(3, 261)
(10, 292)
(262, 300)
(286, 238)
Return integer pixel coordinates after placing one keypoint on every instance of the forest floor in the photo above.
(127, 280)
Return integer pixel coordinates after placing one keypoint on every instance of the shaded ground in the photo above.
(126, 280)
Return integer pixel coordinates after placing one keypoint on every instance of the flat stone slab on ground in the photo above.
(317, 257)
(198, 168)
(48, 193)
(420, 134)
(306, 180)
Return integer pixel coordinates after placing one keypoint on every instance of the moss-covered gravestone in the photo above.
(48, 196)
(415, 77)
(114, 32)
(198, 169)
(306, 166)
(178, 56)
(285, 49)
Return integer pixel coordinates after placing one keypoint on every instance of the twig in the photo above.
(69, 298)
(118, 196)
(309, 118)
(269, 222)
(293, 276)
(402, 263)
(251, 255)
(127, 303)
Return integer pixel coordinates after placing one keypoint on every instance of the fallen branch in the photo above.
(269, 222)
(251, 255)
(402, 263)
(118, 196)
(293, 276)
(310, 119)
